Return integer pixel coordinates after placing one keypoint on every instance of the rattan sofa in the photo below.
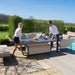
(66, 42)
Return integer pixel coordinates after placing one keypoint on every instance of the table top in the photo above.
(40, 40)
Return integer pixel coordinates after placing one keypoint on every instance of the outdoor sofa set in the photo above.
(36, 47)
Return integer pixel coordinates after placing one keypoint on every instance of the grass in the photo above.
(70, 25)
(4, 24)
(3, 34)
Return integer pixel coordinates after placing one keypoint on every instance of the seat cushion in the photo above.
(4, 52)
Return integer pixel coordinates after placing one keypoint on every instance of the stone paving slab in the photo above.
(50, 71)
(15, 65)
(36, 66)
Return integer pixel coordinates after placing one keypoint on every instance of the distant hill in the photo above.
(4, 18)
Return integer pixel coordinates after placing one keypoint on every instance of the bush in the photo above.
(13, 24)
(4, 41)
(41, 26)
(33, 25)
(60, 25)
(73, 29)
(4, 27)
(28, 25)
(68, 28)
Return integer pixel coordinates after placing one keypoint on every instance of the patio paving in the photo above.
(64, 63)
(16, 65)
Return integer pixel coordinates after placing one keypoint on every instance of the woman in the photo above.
(17, 38)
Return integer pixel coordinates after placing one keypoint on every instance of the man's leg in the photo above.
(52, 42)
(57, 44)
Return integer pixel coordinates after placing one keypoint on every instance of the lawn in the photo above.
(3, 33)
(4, 24)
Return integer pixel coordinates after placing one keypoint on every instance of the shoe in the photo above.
(12, 55)
(57, 51)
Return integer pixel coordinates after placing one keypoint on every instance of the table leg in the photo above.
(27, 50)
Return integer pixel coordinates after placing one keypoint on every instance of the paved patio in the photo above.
(60, 63)
(16, 65)
(64, 63)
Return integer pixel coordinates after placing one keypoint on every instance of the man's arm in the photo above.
(55, 36)
(49, 35)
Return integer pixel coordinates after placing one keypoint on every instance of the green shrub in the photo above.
(13, 24)
(60, 25)
(41, 26)
(4, 41)
(68, 28)
(33, 25)
(4, 27)
(28, 25)
(73, 29)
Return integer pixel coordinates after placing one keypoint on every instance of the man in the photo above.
(53, 30)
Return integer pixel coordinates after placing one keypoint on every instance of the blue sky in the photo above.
(40, 9)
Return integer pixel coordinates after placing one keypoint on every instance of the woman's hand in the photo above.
(21, 42)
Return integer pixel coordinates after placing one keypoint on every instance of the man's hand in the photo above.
(49, 36)
(54, 39)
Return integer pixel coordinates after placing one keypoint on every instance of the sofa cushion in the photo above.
(29, 35)
(4, 52)
(38, 35)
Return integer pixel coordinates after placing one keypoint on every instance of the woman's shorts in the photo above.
(16, 40)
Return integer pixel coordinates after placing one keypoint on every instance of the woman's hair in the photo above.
(19, 24)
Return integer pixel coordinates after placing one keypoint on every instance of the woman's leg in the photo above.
(15, 49)
(21, 48)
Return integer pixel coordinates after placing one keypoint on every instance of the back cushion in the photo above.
(29, 35)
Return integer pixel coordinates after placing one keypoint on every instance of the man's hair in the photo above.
(65, 31)
(50, 22)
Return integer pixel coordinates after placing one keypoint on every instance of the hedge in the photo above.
(4, 27)
(13, 22)
(70, 28)
(33, 25)
(28, 25)
(4, 41)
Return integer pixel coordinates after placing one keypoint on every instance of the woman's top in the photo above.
(18, 33)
